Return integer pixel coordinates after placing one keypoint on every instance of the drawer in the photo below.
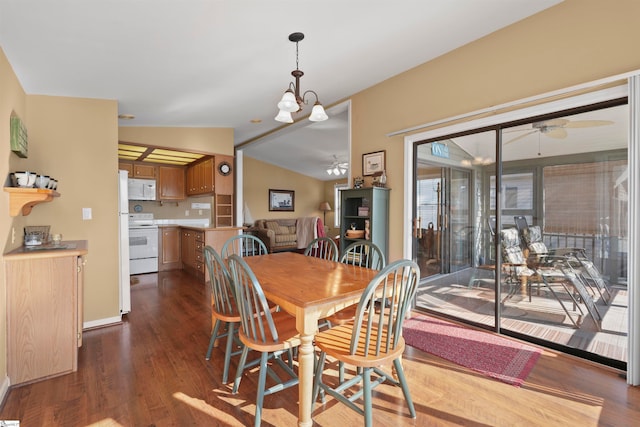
(199, 247)
(199, 257)
(199, 235)
(199, 267)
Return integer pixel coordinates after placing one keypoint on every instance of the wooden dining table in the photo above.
(310, 289)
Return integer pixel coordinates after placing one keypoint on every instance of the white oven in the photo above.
(143, 244)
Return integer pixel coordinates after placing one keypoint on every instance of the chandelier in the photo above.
(337, 168)
(291, 101)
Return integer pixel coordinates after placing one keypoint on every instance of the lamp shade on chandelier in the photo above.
(292, 101)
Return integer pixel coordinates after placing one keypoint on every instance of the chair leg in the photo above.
(262, 380)
(366, 394)
(241, 363)
(340, 372)
(214, 336)
(405, 387)
(228, 351)
(317, 381)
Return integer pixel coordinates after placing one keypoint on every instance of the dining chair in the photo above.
(323, 247)
(272, 334)
(243, 245)
(223, 309)
(373, 339)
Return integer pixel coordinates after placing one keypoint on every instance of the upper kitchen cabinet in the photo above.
(171, 183)
(139, 170)
(224, 174)
(200, 177)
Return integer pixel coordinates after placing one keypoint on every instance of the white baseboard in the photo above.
(4, 388)
(109, 321)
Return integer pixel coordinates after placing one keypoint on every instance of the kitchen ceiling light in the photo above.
(291, 101)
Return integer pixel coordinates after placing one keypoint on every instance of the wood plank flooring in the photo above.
(151, 371)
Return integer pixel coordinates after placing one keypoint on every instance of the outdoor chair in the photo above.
(532, 237)
(272, 334)
(323, 247)
(243, 245)
(373, 339)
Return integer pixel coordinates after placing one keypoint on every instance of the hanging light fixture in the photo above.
(291, 101)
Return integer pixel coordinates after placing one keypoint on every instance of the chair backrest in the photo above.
(532, 237)
(323, 247)
(243, 245)
(222, 293)
(520, 222)
(511, 249)
(382, 308)
(364, 253)
(255, 314)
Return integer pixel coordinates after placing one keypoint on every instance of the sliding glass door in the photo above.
(561, 178)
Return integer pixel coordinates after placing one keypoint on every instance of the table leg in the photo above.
(305, 387)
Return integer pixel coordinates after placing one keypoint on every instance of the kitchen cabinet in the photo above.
(200, 177)
(169, 249)
(139, 169)
(364, 208)
(171, 183)
(44, 310)
(193, 241)
(126, 167)
(22, 200)
(224, 210)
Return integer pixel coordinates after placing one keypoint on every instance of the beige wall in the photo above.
(259, 177)
(12, 100)
(575, 42)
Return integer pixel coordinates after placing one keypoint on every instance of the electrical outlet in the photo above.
(186, 213)
(199, 211)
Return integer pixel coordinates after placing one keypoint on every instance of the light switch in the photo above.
(86, 213)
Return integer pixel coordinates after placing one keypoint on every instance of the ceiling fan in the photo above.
(556, 128)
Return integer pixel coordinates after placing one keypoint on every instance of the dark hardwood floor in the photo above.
(151, 371)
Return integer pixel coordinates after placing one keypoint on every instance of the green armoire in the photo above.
(361, 208)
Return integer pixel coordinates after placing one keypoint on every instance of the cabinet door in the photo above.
(188, 244)
(170, 247)
(206, 176)
(141, 170)
(126, 167)
(171, 183)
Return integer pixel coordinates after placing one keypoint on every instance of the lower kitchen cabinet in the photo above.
(169, 243)
(44, 311)
(193, 241)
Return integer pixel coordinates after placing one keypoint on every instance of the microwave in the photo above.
(142, 189)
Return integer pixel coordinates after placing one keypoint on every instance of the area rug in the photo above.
(494, 356)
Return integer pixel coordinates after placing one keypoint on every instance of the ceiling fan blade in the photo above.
(588, 123)
(521, 136)
(552, 123)
(558, 133)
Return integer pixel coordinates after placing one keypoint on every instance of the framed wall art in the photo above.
(373, 163)
(281, 200)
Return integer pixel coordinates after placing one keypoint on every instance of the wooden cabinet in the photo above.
(192, 252)
(139, 169)
(44, 311)
(169, 249)
(365, 208)
(223, 210)
(171, 183)
(126, 167)
(200, 177)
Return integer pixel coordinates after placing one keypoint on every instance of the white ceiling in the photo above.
(217, 63)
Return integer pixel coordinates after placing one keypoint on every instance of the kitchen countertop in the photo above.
(65, 248)
(200, 228)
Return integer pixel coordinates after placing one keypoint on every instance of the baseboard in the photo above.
(4, 388)
(100, 323)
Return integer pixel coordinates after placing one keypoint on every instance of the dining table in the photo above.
(310, 289)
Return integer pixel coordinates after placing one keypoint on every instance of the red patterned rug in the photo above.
(497, 357)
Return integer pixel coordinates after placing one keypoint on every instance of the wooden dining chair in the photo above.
(272, 334)
(323, 247)
(243, 245)
(224, 310)
(373, 339)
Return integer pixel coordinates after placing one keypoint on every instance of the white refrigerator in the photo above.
(123, 238)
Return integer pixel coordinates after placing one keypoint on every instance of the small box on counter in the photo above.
(363, 211)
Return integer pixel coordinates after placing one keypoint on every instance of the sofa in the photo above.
(288, 234)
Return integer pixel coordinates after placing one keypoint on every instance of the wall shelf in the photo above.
(22, 200)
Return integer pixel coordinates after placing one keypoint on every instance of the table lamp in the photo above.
(324, 207)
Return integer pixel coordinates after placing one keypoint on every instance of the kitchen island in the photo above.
(44, 310)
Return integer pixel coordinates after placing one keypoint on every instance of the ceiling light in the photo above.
(291, 101)
(337, 168)
(126, 116)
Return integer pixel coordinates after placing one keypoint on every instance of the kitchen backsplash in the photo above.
(175, 210)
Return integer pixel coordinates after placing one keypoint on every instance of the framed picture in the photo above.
(281, 200)
(373, 163)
